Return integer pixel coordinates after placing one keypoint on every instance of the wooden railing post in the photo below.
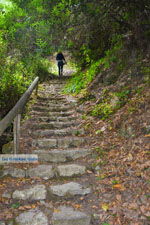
(16, 130)
(37, 87)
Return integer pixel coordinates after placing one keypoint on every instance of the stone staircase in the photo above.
(53, 132)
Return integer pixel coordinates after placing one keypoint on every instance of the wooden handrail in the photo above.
(17, 109)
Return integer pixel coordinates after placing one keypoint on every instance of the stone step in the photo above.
(53, 114)
(36, 192)
(67, 190)
(70, 170)
(68, 216)
(54, 125)
(53, 192)
(32, 217)
(63, 215)
(54, 118)
(68, 142)
(57, 156)
(52, 109)
(51, 104)
(45, 171)
(51, 99)
(51, 94)
(61, 133)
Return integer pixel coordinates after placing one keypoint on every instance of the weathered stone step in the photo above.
(57, 156)
(61, 216)
(68, 216)
(37, 192)
(51, 104)
(54, 118)
(52, 109)
(67, 190)
(54, 125)
(50, 94)
(51, 99)
(45, 171)
(53, 192)
(68, 142)
(61, 132)
(53, 114)
(32, 217)
(70, 170)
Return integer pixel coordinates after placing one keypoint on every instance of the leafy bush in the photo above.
(80, 80)
(102, 110)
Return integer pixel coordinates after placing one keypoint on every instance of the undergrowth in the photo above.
(82, 79)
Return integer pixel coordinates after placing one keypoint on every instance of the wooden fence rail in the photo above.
(15, 114)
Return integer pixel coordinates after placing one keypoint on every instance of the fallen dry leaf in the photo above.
(147, 135)
(57, 210)
(119, 186)
(77, 206)
(105, 207)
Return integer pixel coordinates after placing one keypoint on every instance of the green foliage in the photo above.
(33, 29)
(146, 72)
(75, 84)
(100, 152)
(109, 104)
(102, 110)
(80, 80)
(15, 205)
(123, 97)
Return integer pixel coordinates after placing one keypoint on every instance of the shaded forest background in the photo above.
(100, 34)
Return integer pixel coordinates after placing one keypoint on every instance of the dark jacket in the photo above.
(60, 56)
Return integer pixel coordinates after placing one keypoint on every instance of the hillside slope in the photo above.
(118, 120)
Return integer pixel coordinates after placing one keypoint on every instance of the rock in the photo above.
(70, 142)
(32, 217)
(61, 142)
(67, 216)
(37, 192)
(70, 170)
(6, 195)
(44, 171)
(61, 155)
(45, 143)
(2, 223)
(8, 148)
(59, 132)
(54, 125)
(68, 190)
(14, 172)
(97, 168)
(10, 223)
